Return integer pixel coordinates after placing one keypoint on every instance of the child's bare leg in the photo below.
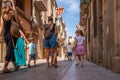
(34, 62)
(77, 60)
(29, 63)
(82, 58)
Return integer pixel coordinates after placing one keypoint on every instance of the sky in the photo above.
(71, 14)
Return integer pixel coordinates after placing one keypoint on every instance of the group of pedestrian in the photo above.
(78, 50)
(15, 41)
(14, 38)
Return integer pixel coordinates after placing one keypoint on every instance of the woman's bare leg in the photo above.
(55, 57)
(47, 56)
(5, 65)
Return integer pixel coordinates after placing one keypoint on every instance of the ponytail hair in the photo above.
(81, 33)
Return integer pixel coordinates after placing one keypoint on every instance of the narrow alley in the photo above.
(59, 39)
(66, 71)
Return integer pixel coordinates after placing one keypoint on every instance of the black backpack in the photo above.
(48, 33)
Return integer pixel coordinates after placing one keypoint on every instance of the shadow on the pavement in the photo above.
(44, 65)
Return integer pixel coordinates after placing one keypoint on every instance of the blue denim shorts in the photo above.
(32, 56)
(69, 53)
(50, 43)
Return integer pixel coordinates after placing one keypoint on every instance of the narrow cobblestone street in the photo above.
(66, 71)
(37, 33)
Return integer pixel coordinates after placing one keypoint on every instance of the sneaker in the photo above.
(29, 66)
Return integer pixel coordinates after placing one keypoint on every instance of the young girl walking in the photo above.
(80, 49)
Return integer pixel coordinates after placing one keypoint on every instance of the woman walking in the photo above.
(50, 43)
(6, 24)
(8, 17)
(80, 49)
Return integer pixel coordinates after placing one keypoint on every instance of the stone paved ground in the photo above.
(41, 72)
(90, 72)
(66, 71)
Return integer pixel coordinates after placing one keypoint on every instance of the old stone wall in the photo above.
(103, 35)
(117, 27)
(108, 32)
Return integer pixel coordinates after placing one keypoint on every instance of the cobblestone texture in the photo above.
(66, 71)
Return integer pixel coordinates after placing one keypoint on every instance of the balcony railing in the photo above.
(41, 5)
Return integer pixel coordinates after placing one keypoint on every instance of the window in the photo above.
(20, 4)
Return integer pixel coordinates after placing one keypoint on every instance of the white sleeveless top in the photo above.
(80, 40)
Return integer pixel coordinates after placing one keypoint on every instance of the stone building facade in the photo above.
(61, 37)
(33, 15)
(83, 18)
(39, 9)
(102, 33)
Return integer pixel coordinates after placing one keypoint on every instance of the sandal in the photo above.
(6, 71)
(55, 66)
(17, 68)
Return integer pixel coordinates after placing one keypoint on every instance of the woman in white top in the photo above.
(80, 49)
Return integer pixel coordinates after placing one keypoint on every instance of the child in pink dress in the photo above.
(80, 49)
